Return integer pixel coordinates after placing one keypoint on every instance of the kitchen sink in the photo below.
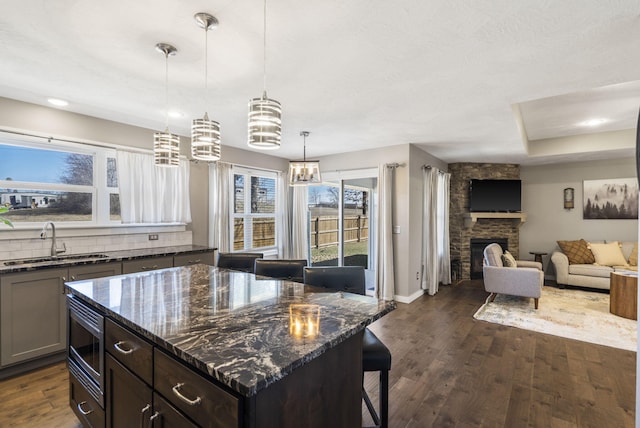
(54, 259)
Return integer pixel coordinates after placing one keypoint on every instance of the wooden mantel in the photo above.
(470, 219)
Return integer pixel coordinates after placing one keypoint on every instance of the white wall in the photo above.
(548, 221)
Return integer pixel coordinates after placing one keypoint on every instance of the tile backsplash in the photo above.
(36, 247)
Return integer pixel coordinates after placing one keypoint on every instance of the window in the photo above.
(254, 210)
(56, 181)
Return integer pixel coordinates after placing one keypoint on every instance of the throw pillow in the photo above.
(633, 257)
(608, 254)
(508, 260)
(577, 252)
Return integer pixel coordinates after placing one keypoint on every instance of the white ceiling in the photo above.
(358, 74)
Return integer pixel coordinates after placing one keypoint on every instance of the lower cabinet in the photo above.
(148, 263)
(207, 258)
(33, 320)
(86, 408)
(128, 400)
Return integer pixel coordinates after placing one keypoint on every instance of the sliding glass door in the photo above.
(342, 221)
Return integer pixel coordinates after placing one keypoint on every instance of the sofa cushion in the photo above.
(590, 270)
(608, 254)
(508, 260)
(633, 258)
(577, 251)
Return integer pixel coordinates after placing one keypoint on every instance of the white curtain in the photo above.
(151, 194)
(299, 233)
(385, 282)
(283, 226)
(219, 199)
(436, 266)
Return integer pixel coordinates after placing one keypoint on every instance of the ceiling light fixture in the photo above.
(205, 133)
(58, 102)
(302, 173)
(593, 122)
(265, 115)
(166, 146)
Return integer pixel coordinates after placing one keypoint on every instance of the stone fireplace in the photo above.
(461, 232)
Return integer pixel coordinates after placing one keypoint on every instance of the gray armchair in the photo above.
(524, 280)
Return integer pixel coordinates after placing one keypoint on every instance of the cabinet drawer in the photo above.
(83, 405)
(192, 259)
(134, 352)
(151, 263)
(206, 403)
(169, 416)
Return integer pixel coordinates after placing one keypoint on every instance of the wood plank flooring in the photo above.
(447, 370)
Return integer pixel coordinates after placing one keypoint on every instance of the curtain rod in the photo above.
(394, 165)
(433, 167)
(86, 143)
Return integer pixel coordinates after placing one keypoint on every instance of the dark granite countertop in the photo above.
(231, 325)
(64, 260)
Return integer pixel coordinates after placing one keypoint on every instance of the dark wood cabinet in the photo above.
(86, 408)
(205, 402)
(128, 399)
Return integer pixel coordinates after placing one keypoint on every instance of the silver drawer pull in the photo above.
(192, 262)
(81, 410)
(176, 390)
(153, 417)
(118, 346)
(154, 267)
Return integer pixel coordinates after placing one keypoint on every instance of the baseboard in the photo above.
(408, 299)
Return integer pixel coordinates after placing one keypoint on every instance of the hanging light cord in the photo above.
(206, 60)
(166, 88)
(264, 51)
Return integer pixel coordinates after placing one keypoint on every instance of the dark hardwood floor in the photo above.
(448, 370)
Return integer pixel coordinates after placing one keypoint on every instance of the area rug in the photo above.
(574, 314)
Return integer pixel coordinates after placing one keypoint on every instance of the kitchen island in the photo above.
(276, 353)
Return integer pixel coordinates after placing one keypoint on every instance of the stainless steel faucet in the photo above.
(54, 247)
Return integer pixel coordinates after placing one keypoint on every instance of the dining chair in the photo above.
(376, 357)
(290, 270)
(238, 261)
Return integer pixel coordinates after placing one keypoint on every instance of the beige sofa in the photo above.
(592, 275)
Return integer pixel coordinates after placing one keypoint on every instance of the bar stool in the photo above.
(376, 357)
(243, 262)
(290, 270)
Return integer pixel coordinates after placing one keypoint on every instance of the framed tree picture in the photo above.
(613, 198)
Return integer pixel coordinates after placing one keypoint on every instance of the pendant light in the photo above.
(166, 146)
(265, 124)
(205, 133)
(302, 173)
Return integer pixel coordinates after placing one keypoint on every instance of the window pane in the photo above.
(238, 234)
(114, 206)
(264, 232)
(45, 166)
(40, 206)
(263, 195)
(238, 191)
(112, 173)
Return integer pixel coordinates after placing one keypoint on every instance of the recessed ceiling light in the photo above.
(593, 122)
(176, 114)
(57, 102)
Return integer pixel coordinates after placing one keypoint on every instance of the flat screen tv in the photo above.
(495, 196)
